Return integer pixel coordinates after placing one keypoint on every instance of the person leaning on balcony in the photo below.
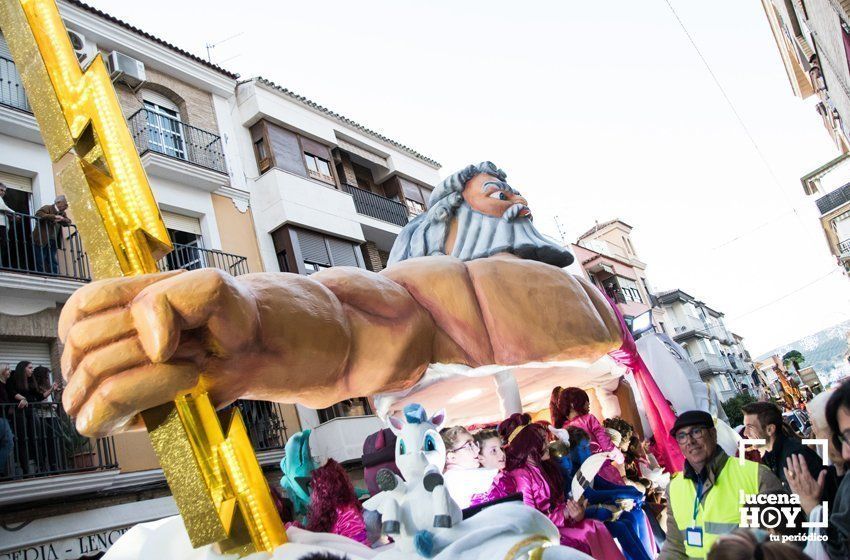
(703, 501)
(6, 217)
(7, 438)
(47, 234)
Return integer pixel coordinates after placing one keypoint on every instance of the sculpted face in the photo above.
(494, 197)
(475, 214)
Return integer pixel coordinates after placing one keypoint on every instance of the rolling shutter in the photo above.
(17, 182)
(342, 252)
(12, 352)
(179, 222)
(4, 48)
(313, 248)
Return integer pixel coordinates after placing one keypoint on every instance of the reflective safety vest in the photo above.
(720, 510)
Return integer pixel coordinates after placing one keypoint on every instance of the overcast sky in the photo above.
(595, 110)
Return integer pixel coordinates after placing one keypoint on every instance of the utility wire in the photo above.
(791, 293)
(737, 116)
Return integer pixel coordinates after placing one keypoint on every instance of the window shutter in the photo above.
(12, 352)
(412, 192)
(16, 182)
(179, 222)
(342, 252)
(4, 48)
(313, 248)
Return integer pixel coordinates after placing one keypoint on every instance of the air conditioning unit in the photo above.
(84, 50)
(125, 68)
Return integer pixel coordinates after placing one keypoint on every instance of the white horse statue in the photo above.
(417, 507)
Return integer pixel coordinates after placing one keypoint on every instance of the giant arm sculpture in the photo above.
(134, 343)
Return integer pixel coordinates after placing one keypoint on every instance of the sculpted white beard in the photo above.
(480, 235)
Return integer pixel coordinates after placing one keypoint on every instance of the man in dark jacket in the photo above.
(47, 235)
(763, 420)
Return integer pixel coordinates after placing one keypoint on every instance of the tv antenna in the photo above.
(211, 46)
(562, 232)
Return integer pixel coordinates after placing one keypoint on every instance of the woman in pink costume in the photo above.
(571, 407)
(528, 471)
(333, 504)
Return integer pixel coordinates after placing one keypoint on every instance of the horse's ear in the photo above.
(438, 418)
(395, 424)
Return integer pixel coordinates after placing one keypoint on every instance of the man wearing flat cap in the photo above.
(703, 502)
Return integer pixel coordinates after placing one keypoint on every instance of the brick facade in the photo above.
(195, 105)
(375, 259)
(348, 177)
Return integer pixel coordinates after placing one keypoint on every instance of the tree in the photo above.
(793, 358)
(733, 407)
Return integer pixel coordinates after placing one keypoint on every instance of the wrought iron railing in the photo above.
(42, 246)
(265, 424)
(11, 90)
(191, 257)
(833, 200)
(844, 246)
(154, 131)
(377, 206)
(46, 443)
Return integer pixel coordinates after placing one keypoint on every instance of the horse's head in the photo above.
(418, 442)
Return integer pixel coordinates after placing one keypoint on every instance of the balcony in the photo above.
(710, 363)
(844, 247)
(191, 257)
(833, 200)
(377, 206)
(264, 421)
(11, 90)
(48, 444)
(687, 326)
(155, 132)
(41, 247)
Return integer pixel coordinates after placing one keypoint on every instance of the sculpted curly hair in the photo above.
(330, 489)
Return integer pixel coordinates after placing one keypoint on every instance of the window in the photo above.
(264, 162)
(414, 207)
(318, 251)
(349, 407)
(319, 168)
(165, 131)
(630, 290)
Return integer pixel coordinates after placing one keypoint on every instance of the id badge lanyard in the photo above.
(693, 535)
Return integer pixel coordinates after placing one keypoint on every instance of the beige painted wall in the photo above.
(237, 231)
(134, 452)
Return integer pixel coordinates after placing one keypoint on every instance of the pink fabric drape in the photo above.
(658, 412)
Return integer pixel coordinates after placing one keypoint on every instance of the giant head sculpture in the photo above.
(473, 214)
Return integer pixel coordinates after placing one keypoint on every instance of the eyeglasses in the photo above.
(473, 445)
(696, 434)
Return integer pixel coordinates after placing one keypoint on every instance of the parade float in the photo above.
(474, 315)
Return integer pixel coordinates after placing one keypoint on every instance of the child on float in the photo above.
(490, 452)
(571, 407)
(619, 506)
(463, 476)
(334, 507)
(529, 471)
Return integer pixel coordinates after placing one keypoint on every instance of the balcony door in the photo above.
(185, 234)
(165, 131)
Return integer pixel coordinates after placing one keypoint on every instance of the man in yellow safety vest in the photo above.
(703, 502)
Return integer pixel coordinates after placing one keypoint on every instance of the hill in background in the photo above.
(824, 350)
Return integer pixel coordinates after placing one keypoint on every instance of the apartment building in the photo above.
(63, 495)
(718, 355)
(325, 191)
(813, 39)
(606, 256)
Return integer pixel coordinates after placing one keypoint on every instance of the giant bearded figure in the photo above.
(472, 287)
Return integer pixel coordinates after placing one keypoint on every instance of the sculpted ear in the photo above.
(438, 418)
(395, 424)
